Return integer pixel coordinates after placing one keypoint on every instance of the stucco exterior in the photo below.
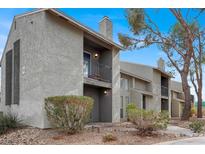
(177, 101)
(52, 48)
(31, 66)
(51, 63)
(149, 82)
(144, 85)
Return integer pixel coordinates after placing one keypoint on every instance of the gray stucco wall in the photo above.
(153, 102)
(176, 86)
(63, 51)
(52, 64)
(143, 71)
(49, 51)
(175, 112)
(30, 31)
(115, 86)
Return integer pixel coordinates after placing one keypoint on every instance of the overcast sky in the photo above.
(91, 18)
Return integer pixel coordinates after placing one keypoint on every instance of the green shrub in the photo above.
(147, 121)
(197, 126)
(162, 120)
(69, 113)
(131, 107)
(9, 121)
(109, 137)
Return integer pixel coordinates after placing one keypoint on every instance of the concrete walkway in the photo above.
(188, 141)
(179, 131)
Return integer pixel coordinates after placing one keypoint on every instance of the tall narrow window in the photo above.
(124, 84)
(86, 64)
(16, 72)
(8, 98)
(127, 99)
(144, 102)
(121, 107)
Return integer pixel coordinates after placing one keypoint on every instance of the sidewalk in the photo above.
(188, 141)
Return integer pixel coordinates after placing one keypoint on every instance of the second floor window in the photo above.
(86, 64)
(124, 84)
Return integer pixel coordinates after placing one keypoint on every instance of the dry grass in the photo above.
(109, 138)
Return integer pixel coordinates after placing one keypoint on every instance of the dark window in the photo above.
(8, 78)
(144, 102)
(86, 64)
(16, 71)
(121, 107)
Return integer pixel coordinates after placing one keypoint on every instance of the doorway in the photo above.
(164, 105)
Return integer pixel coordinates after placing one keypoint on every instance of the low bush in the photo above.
(162, 120)
(9, 121)
(147, 121)
(109, 137)
(69, 113)
(130, 107)
(197, 126)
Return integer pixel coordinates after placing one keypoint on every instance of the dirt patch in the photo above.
(124, 133)
(180, 123)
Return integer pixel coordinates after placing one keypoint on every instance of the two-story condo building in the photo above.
(47, 54)
(177, 99)
(148, 87)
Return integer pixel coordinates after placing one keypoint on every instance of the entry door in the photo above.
(86, 64)
(164, 105)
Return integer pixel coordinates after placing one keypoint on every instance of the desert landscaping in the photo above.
(121, 133)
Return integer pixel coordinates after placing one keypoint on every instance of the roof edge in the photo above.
(77, 23)
(134, 75)
(85, 28)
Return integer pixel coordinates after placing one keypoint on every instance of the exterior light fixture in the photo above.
(96, 56)
(105, 92)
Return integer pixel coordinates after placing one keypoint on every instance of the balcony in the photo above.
(164, 91)
(97, 63)
(180, 96)
(96, 71)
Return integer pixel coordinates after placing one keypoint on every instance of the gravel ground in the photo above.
(91, 135)
(178, 122)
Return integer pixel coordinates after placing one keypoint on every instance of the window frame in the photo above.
(90, 64)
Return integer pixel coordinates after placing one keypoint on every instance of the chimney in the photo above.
(105, 27)
(161, 64)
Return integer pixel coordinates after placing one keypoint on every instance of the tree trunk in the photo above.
(199, 108)
(187, 103)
